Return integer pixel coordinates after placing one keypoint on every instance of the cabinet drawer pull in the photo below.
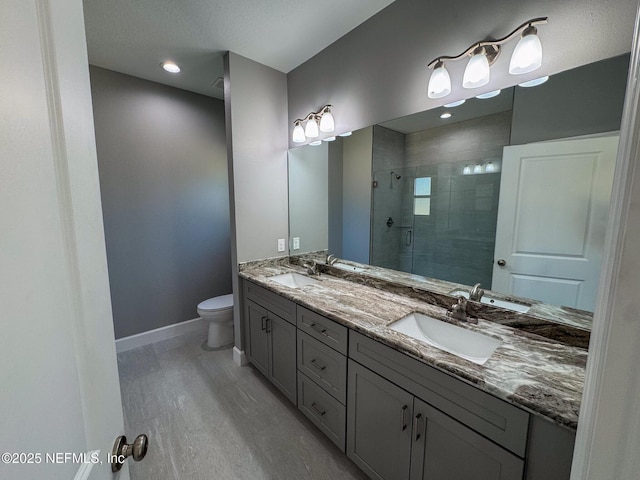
(263, 323)
(415, 425)
(403, 423)
(319, 329)
(318, 411)
(318, 365)
(268, 325)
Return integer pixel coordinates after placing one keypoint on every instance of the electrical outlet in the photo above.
(296, 243)
(281, 244)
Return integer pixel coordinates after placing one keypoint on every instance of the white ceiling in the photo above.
(135, 36)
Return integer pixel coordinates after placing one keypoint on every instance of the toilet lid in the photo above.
(217, 303)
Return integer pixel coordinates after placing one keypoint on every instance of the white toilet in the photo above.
(218, 311)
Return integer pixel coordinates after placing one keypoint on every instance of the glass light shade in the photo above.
(329, 139)
(316, 143)
(311, 129)
(477, 73)
(454, 104)
(527, 55)
(466, 170)
(492, 94)
(327, 124)
(439, 83)
(490, 168)
(346, 134)
(477, 168)
(535, 82)
(298, 134)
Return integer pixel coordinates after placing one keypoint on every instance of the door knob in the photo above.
(122, 450)
(502, 262)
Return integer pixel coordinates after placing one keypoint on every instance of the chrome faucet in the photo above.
(331, 259)
(476, 293)
(459, 311)
(312, 269)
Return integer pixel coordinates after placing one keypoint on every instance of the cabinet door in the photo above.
(282, 355)
(258, 338)
(378, 425)
(444, 449)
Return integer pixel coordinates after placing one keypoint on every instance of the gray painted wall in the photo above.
(356, 194)
(582, 101)
(378, 72)
(163, 179)
(335, 197)
(309, 198)
(256, 120)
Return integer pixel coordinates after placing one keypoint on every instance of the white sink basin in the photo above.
(293, 280)
(489, 300)
(350, 268)
(472, 346)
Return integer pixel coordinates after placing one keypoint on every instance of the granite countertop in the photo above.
(540, 375)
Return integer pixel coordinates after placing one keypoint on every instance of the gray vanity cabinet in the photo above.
(444, 449)
(378, 425)
(272, 348)
(393, 435)
(271, 337)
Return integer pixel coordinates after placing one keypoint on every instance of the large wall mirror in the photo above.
(511, 192)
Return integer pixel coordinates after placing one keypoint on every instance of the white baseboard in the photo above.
(162, 333)
(239, 357)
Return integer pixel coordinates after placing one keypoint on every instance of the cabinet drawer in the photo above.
(321, 328)
(322, 409)
(271, 301)
(323, 365)
(492, 417)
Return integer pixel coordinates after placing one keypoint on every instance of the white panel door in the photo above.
(552, 215)
(59, 390)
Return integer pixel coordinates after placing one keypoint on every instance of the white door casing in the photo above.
(60, 391)
(552, 217)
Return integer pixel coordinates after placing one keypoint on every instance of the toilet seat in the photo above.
(223, 302)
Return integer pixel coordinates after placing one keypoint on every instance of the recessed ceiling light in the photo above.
(535, 82)
(170, 67)
(455, 104)
(446, 115)
(492, 94)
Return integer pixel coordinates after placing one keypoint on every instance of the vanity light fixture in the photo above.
(446, 115)
(535, 82)
(345, 134)
(329, 139)
(170, 67)
(492, 94)
(490, 167)
(466, 170)
(477, 168)
(314, 123)
(317, 143)
(527, 57)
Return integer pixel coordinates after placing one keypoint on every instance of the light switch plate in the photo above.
(281, 245)
(296, 243)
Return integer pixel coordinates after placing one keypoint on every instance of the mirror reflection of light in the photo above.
(491, 94)
(477, 168)
(316, 143)
(329, 139)
(171, 67)
(454, 104)
(490, 168)
(446, 115)
(535, 82)
(466, 170)
(346, 134)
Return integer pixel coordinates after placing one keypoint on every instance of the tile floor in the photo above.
(208, 418)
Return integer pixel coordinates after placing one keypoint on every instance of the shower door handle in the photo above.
(409, 238)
